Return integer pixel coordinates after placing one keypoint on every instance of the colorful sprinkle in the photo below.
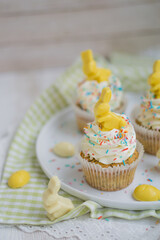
(91, 143)
(124, 163)
(99, 217)
(125, 149)
(149, 180)
(67, 165)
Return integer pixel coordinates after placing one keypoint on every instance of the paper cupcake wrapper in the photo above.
(149, 138)
(111, 178)
(83, 117)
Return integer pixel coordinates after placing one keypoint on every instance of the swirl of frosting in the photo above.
(89, 92)
(108, 147)
(150, 112)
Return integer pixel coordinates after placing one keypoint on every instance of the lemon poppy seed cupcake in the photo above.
(109, 150)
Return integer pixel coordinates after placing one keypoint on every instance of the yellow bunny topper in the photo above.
(105, 118)
(154, 79)
(91, 70)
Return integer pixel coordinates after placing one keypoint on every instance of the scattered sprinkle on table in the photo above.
(99, 217)
(107, 219)
(150, 180)
(67, 165)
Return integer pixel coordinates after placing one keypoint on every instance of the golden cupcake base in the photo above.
(112, 177)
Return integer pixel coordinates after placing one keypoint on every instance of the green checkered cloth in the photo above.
(24, 205)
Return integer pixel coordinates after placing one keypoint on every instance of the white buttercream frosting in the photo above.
(108, 147)
(89, 92)
(150, 112)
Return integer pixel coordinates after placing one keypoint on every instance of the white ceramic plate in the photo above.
(62, 127)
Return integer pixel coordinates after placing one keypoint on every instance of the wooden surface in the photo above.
(37, 34)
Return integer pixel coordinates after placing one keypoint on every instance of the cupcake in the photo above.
(109, 150)
(89, 90)
(146, 118)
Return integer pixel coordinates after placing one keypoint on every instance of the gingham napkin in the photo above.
(24, 205)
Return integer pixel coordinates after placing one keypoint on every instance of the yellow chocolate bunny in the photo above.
(154, 79)
(105, 118)
(91, 70)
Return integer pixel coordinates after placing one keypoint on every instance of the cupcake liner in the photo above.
(148, 137)
(111, 178)
(83, 117)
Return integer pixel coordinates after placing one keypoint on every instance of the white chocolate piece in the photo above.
(55, 205)
(64, 149)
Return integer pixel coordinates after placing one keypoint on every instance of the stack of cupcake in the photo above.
(89, 90)
(109, 150)
(146, 119)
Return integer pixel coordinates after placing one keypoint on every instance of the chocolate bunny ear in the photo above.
(106, 95)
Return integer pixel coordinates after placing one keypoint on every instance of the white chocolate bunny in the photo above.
(55, 205)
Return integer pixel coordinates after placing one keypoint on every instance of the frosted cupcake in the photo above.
(146, 119)
(89, 91)
(109, 150)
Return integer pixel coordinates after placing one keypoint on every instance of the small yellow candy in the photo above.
(146, 192)
(91, 70)
(18, 179)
